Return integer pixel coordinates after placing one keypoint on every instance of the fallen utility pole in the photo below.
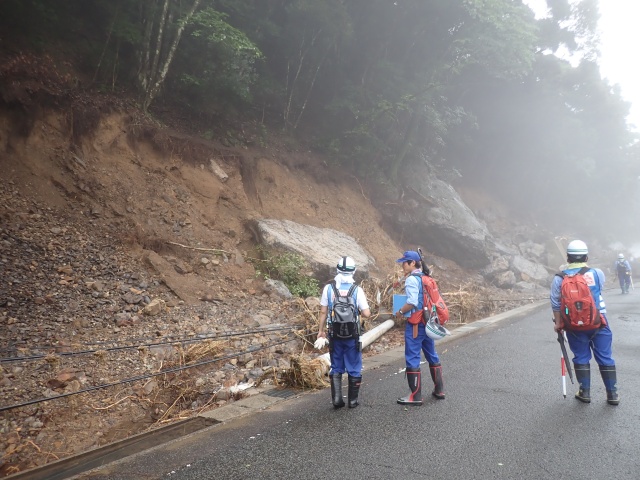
(366, 339)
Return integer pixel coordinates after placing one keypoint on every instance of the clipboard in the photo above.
(398, 301)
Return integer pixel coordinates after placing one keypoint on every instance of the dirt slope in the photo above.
(120, 234)
(94, 231)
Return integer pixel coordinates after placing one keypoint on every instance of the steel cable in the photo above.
(183, 341)
(141, 377)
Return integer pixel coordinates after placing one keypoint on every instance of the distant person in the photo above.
(623, 269)
(420, 342)
(341, 305)
(588, 338)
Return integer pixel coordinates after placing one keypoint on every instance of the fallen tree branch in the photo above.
(426, 199)
(215, 250)
(361, 189)
(113, 404)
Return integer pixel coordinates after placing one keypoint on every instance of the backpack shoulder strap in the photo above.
(353, 293)
(419, 276)
(335, 293)
(426, 292)
(583, 270)
(561, 274)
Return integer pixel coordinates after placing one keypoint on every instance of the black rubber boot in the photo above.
(415, 385)
(583, 376)
(436, 376)
(336, 391)
(609, 378)
(354, 388)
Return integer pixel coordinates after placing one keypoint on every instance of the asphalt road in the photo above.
(504, 418)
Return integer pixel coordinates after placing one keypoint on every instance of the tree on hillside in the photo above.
(312, 32)
(561, 127)
(163, 22)
(215, 66)
(539, 141)
(571, 29)
(400, 67)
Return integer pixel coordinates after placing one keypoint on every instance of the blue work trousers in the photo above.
(345, 357)
(597, 341)
(625, 281)
(413, 347)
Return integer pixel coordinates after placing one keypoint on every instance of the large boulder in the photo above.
(505, 271)
(321, 247)
(433, 215)
(532, 250)
(497, 265)
(506, 279)
(529, 270)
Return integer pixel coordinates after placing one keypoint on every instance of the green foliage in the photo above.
(501, 37)
(288, 268)
(213, 26)
(263, 135)
(216, 65)
(208, 135)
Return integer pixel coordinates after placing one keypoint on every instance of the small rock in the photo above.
(150, 386)
(155, 307)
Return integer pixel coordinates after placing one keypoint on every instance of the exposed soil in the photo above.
(115, 232)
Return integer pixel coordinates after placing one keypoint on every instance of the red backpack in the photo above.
(432, 302)
(577, 306)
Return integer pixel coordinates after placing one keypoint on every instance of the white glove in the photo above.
(320, 343)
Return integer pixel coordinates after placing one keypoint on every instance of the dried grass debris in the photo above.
(306, 373)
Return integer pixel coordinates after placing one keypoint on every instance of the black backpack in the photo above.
(344, 318)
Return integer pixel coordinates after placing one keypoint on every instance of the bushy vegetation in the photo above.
(289, 268)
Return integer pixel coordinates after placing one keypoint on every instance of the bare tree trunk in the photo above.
(115, 67)
(313, 81)
(155, 64)
(306, 99)
(410, 132)
(106, 44)
(147, 16)
(158, 43)
(291, 90)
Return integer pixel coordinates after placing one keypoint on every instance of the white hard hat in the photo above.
(346, 265)
(577, 247)
(620, 256)
(434, 330)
